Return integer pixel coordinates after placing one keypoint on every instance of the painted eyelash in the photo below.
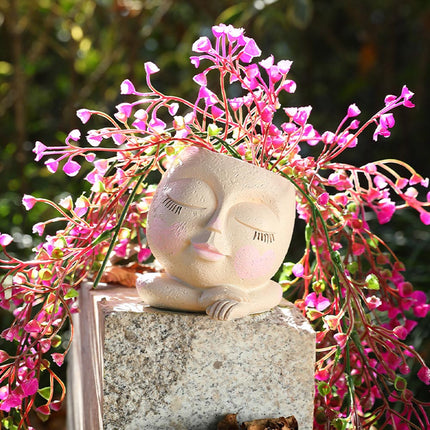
(172, 206)
(264, 237)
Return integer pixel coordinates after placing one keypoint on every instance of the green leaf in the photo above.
(352, 267)
(45, 392)
(340, 423)
(335, 257)
(324, 389)
(287, 269)
(400, 383)
(213, 130)
(104, 236)
(229, 148)
(71, 294)
(372, 282)
(308, 233)
(373, 242)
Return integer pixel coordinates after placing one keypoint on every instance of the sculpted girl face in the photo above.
(216, 220)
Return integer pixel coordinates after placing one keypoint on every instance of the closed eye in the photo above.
(264, 237)
(172, 206)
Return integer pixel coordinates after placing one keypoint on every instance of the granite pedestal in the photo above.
(134, 367)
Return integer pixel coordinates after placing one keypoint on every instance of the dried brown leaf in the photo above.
(228, 423)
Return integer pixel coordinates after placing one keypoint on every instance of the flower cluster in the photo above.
(351, 285)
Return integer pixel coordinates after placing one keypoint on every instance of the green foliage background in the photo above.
(57, 56)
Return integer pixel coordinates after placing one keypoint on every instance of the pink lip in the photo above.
(207, 252)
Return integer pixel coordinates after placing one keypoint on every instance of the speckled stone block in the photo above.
(167, 370)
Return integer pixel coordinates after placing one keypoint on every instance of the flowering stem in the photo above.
(120, 222)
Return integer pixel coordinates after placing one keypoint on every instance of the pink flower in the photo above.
(71, 168)
(157, 125)
(424, 375)
(66, 203)
(298, 270)
(389, 99)
(93, 140)
(421, 310)
(284, 66)
(387, 120)
(39, 228)
(143, 254)
(125, 109)
(51, 165)
(353, 111)
(101, 166)
(250, 50)
(385, 211)
(407, 95)
(425, 217)
(319, 302)
(5, 239)
(373, 302)
(400, 332)
(341, 339)
(195, 61)
(151, 68)
(28, 201)
(235, 34)
(202, 44)
(405, 289)
(11, 401)
(4, 390)
(328, 137)
(289, 86)
(358, 248)
(173, 108)
(415, 179)
(118, 138)
(200, 79)
(216, 112)
(302, 115)
(380, 182)
(43, 410)
(127, 87)
(58, 358)
(81, 206)
(323, 199)
(219, 30)
(121, 248)
(33, 326)
(84, 115)
(30, 386)
(39, 149)
(74, 135)
(267, 63)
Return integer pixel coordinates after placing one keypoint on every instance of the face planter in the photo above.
(220, 227)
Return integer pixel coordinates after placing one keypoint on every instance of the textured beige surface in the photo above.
(166, 370)
(220, 227)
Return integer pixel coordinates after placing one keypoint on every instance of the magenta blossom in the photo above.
(28, 201)
(39, 149)
(84, 115)
(317, 301)
(151, 68)
(203, 44)
(5, 239)
(71, 168)
(127, 87)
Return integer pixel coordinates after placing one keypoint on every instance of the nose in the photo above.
(215, 224)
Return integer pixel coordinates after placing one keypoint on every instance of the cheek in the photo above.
(167, 238)
(250, 263)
